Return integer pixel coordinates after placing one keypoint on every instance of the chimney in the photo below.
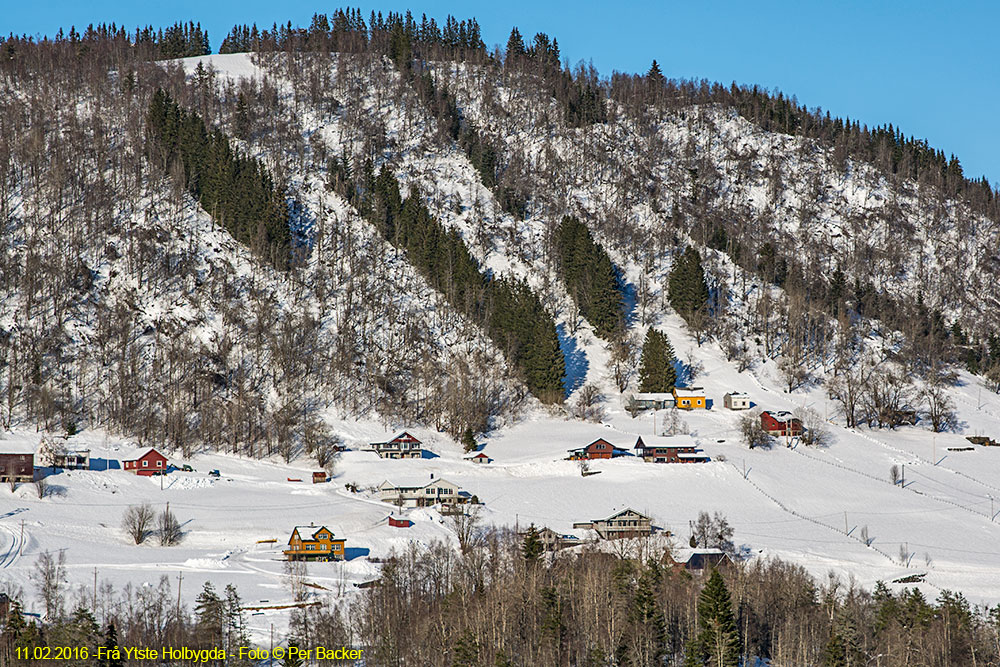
(432, 475)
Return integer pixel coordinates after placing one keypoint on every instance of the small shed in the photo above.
(736, 400)
(319, 477)
(399, 523)
(479, 458)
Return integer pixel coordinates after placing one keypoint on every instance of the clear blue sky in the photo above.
(931, 68)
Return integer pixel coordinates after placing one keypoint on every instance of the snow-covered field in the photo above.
(794, 503)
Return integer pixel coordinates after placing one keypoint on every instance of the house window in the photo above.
(159, 464)
(310, 547)
(145, 464)
(430, 492)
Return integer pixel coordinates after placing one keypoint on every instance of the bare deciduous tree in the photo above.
(753, 432)
(170, 528)
(138, 521)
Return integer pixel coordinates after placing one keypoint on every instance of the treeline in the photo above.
(497, 604)
(237, 191)
(590, 278)
(506, 308)
(886, 147)
(345, 30)
(181, 40)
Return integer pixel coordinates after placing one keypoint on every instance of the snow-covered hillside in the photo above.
(383, 351)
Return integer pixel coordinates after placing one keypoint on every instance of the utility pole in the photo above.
(902, 479)
(20, 545)
(180, 578)
(845, 524)
(95, 592)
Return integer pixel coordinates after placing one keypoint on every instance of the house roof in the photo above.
(624, 511)
(689, 391)
(738, 394)
(415, 483)
(780, 415)
(664, 442)
(654, 396)
(309, 532)
(399, 436)
(136, 454)
(17, 447)
(477, 455)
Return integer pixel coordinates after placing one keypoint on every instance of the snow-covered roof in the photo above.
(692, 455)
(689, 391)
(136, 454)
(411, 482)
(308, 532)
(782, 415)
(738, 394)
(17, 447)
(624, 511)
(664, 441)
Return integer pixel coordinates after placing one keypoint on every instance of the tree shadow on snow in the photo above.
(575, 358)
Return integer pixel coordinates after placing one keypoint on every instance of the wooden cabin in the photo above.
(690, 398)
(145, 462)
(314, 543)
(598, 449)
(17, 463)
(669, 450)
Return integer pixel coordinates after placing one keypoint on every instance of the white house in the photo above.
(736, 400)
(421, 494)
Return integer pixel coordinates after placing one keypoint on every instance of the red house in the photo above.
(781, 423)
(598, 449)
(145, 462)
(399, 523)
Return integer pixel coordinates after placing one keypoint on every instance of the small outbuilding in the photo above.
(736, 400)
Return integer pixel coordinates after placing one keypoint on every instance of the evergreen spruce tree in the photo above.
(292, 658)
(656, 366)
(648, 623)
(110, 643)
(687, 288)
(532, 547)
(211, 616)
(718, 641)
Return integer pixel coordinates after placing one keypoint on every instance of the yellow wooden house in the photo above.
(690, 398)
(314, 543)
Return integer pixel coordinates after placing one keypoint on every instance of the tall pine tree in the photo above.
(717, 642)
(688, 290)
(656, 368)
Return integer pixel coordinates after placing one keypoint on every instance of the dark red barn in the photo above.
(145, 462)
